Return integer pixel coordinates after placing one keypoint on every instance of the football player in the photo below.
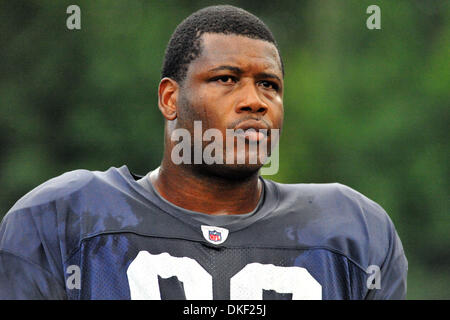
(200, 229)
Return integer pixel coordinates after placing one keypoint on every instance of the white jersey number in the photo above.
(143, 275)
(247, 284)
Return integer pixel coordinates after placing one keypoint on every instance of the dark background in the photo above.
(366, 108)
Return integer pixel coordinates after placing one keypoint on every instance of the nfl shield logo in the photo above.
(214, 235)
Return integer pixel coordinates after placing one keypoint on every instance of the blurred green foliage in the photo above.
(366, 108)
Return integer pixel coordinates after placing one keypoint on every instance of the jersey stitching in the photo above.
(222, 246)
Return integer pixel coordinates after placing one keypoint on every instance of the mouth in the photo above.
(253, 130)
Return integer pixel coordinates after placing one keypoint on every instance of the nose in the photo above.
(251, 101)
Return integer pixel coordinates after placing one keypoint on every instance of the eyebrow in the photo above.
(266, 75)
(238, 70)
(229, 68)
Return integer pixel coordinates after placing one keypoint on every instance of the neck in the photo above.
(207, 193)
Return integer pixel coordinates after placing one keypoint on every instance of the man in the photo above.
(200, 229)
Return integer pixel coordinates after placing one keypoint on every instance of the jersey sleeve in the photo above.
(21, 279)
(380, 251)
(392, 273)
(30, 266)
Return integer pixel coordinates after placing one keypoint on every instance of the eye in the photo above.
(269, 85)
(225, 79)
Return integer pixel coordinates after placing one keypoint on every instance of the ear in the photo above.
(167, 98)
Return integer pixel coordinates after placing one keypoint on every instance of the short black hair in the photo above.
(185, 46)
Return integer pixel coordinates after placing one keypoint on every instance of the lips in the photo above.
(254, 130)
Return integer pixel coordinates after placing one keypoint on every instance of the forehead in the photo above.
(246, 53)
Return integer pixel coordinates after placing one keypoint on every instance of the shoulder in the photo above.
(58, 212)
(72, 184)
(339, 218)
(333, 199)
(54, 189)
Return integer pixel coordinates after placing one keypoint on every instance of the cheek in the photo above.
(278, 115)
(202, 108)
(215, 108)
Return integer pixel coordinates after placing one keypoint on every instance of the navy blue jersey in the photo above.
(105, 235)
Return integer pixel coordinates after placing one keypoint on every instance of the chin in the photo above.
(229, 171)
